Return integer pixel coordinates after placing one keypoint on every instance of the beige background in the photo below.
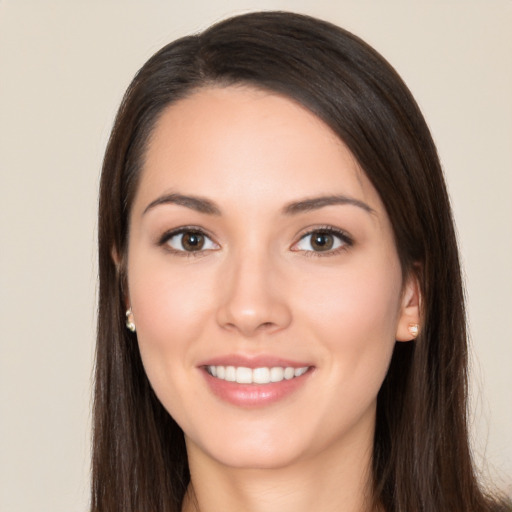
(63, 68)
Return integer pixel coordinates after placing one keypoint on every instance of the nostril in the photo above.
(262, 326)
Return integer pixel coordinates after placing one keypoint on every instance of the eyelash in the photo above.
(168, 235)
(344, 238)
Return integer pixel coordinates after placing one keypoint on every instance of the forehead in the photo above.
(241, 143)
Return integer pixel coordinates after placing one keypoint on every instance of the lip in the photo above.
(254, 395)
(257, 361)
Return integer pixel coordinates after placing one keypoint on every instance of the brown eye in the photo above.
(322, 241)
(189, 241)
(192, 241)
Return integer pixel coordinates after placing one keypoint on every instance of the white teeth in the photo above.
(261, 376)
(243, 375)
(230, 374)
(289, 373)
(300, 371)
(264, 375)
(276, 374)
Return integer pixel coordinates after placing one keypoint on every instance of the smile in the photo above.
(264, 375)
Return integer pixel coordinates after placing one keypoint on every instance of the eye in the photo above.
(323, 240)
(189, 240)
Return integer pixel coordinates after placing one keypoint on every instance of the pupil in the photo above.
(193, 241)
(322, 241)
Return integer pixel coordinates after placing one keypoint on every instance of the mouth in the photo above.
(263, 375)
(255, 382)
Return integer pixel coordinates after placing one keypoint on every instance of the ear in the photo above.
(408, 325)
(115, 257)
(118, 262)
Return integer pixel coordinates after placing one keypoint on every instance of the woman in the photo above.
(281, 318)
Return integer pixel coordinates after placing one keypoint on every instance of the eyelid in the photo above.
(346, 240)
(165, 237)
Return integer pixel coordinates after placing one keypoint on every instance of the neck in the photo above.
(338, 479)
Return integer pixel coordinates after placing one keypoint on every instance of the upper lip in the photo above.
(256, 361)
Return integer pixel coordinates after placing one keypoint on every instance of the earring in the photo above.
(129, 320)
(413, 330)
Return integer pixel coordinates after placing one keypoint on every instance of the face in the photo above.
(263, 279)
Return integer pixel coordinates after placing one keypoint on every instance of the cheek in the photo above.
(354, 316)
(365, 300)
(171, 309)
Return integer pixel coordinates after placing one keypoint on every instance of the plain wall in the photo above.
(63, 68)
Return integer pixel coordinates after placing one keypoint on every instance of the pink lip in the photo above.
(253, 395)
(259, 361)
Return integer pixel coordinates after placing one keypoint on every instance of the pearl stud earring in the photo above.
(130, 324)
(413, 330)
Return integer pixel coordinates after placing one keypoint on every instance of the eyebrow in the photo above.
(315, 203)
(203, 205)
(200, 204)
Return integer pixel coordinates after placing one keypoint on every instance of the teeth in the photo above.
(230, 373)
(300, 371)
(261, 376)
(243, 375)
(276, 374)
(289, 373)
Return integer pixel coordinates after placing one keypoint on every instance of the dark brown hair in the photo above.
(421, 459)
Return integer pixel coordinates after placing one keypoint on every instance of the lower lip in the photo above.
(254, 395)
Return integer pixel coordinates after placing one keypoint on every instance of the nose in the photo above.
(254, 299)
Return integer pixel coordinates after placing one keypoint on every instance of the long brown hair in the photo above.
(421, 458)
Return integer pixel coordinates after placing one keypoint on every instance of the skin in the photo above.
(260, 288)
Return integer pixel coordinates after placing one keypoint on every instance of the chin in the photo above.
(249, 450)
(255, 458)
